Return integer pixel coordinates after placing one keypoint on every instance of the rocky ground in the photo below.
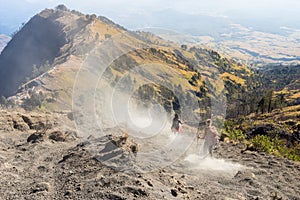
(42, 157)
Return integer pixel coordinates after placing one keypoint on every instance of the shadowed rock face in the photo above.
(38, 41)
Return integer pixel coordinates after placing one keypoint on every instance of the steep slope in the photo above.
(194, 82)
(97, 68)
(59, 165)
(48, 39)
(196, 75)
(31, 47)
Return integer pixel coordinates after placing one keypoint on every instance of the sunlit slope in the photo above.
(90, 43)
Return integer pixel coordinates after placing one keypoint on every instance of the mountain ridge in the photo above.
(79, 34)
(76, 137)
(51, 43)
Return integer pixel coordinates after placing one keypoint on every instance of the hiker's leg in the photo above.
(210, 150)
(205, 149)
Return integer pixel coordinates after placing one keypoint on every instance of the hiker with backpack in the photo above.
(176, 124)
(211, 138)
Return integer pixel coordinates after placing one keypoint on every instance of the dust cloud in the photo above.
(150, 127)
(197, 162)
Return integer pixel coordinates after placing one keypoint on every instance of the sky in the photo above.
(131, 13)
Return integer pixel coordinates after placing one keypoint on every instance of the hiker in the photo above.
(176, 124)
(211, 137)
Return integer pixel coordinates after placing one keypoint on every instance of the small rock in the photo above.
(40, 187)
(35, 137)
(79, 187)
(180, 183)
(190, 187)
(174, 192)
(226, 140)
(68, 193)
(275, 196)
(181, 190)
(245, 175)
(83, 144)
(150, 184)
(273, 163)
(57, 136)
(249, 152)
(66, 157)
(20, 125)
(136, 191)
(42, 168)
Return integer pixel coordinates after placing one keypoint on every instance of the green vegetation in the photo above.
(190, 82)
(237, 135)
(275, 146)
(270, 88)
(6, 103)
(35, 100)
(270, 142)
(233, 133)
(264, 143)
(38, 100)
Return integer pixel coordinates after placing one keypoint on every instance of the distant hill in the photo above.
(4, 39)
(253, 41)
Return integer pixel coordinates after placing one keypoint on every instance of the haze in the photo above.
(140, 14)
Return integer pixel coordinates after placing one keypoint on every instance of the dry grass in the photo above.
(296, 95)
(234, 78)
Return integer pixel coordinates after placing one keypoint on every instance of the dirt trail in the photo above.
(65, 167)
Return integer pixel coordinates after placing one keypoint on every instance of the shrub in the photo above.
(292, 154)
(263, 143)
(236, 135)
(274, 146)
(233, 133)
(34, 101)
